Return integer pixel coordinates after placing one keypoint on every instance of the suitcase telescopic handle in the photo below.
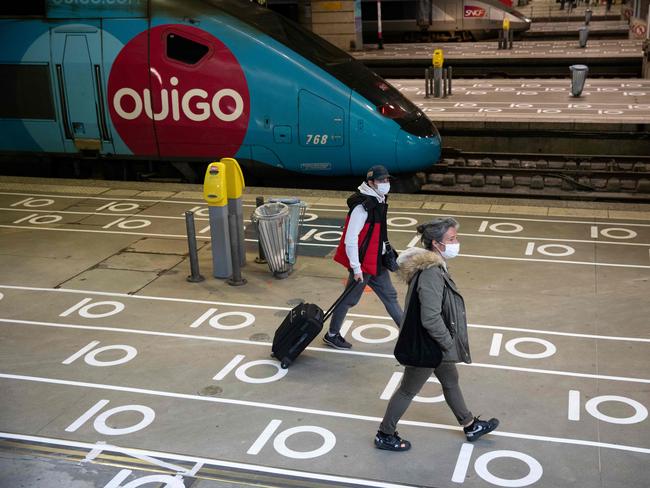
(346, 292)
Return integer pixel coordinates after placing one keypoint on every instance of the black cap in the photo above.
(377, 173)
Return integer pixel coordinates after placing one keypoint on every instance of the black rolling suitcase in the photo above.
(300, 326)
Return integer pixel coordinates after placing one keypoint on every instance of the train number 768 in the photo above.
(316, 139)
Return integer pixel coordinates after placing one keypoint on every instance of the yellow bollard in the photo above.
(438, 61)
(235, 184)
(438, 58)
(215, 193)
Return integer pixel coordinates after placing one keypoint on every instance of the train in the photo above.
(440, 20)
(191, 81)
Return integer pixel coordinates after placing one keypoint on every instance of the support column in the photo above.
(338, 21)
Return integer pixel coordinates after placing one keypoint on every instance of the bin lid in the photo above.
(270, 211)
(579, 67)
(286, 201)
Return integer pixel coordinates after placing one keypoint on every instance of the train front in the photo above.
(387, 128)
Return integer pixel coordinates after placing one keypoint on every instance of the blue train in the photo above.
(196, 80)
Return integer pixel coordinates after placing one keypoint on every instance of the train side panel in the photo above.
(192, 82)
(29, 112)
(299, 116)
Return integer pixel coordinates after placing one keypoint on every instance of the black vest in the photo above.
(377, 213)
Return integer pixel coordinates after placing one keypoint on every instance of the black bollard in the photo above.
(235, 279)
(450, 73)
(444, 83)
(426, 82)
(260, 259)
(195, 276)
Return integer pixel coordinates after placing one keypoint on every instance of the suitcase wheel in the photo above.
(285, 363)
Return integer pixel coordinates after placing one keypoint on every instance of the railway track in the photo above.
(581, 177)
(552, 176)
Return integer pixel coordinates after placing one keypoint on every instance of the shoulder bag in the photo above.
(415, 347)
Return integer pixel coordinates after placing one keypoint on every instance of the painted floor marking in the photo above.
(339, 227)
(343, 209)
(145, 234)
(604, 220)
(286, 309)
(143, 215)
(558, 261)
(324, 413)
(114, 199)
(140, 453)
(320, 349)
(180, 236)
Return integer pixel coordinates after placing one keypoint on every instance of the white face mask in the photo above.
(383, 188)
(451, 250)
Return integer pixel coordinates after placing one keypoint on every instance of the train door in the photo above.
(199, 94)
(76, 58)
(321, 127)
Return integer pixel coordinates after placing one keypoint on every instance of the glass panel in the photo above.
(25, 92)
(185, 50)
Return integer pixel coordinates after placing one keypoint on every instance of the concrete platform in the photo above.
(549, 10)
(540, 115)
(597, 29)
(613, 57)
(109, 380)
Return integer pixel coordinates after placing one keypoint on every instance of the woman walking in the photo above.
(442, 314)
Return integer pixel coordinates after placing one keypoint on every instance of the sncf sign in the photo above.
(162, 105)
(474, 12)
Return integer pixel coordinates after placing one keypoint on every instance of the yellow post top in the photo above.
(234, 178)
(438, 58)
(506, 23)
(214, 185)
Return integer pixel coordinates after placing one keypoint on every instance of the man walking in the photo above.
(360, 250)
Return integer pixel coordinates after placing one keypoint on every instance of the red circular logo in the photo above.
(190, 99)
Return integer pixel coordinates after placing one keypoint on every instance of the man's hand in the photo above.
(358, 277)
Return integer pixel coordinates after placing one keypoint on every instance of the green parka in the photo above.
(442, 308)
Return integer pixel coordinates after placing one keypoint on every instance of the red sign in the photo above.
(474, 12)
(194, 107)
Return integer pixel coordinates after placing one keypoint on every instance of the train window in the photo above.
(185, 50)
(27, 8)
(304, 42)
(25, 92)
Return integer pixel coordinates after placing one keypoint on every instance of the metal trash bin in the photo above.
(583, 36)
(272, 222)
(296, 216)
(588, 14)
(578, 76)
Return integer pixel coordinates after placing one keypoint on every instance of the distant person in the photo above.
(442, 314)
(608, 6)
(365, 234)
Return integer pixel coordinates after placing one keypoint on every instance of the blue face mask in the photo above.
(383, 188)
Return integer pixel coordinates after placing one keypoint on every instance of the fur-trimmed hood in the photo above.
(415, 259)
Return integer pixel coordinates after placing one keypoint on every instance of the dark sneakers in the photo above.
(479, 428)
(336, 341)
(391, 442)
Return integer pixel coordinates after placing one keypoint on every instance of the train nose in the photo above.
(417, 152)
